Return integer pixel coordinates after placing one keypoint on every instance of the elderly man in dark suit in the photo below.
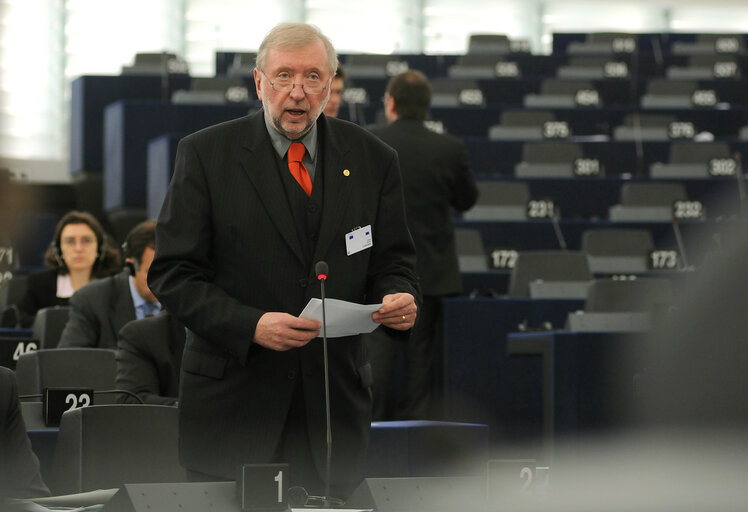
(149, 356)
(238, 238)
(101, 308)
(437, 179)
(19, 466)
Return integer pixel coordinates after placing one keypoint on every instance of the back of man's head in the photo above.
(141, 236)
(412, 94)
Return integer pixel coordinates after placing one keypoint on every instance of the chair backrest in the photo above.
(559, 86)
(617, 242)
(12, 290)
(652, 194)
(479, 59)
(488, 43)
(589, 61)
(547, 266)
(500, 200)
(709, 60)
(551, 152)
(617, 250)
(106, 446)
(243, 64)
(503, 193)
(526, 117)
(93, 368)
(648, 120)
(216, 83)
(697, 152)
(471, 254)
(453, 92)
(48, 325)
(606, 37)
(623, 296)
(660, 86)
(150, 63)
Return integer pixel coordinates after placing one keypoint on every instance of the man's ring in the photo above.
(404, 319)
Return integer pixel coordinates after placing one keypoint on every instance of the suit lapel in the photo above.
(337, 186)
(260, 164)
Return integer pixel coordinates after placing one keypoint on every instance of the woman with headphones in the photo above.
(77, 255)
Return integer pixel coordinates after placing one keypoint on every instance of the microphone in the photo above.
(741, 185)
(557, 230)
(321, 270)
(681, 245)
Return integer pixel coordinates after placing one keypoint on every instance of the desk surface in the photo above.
(482, 383)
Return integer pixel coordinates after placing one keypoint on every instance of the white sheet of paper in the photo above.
(343, 318)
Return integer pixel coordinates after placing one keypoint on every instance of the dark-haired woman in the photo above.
(77, 255)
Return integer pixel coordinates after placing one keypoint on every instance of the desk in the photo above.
(396, 449)
(482, 383)
(588, 379)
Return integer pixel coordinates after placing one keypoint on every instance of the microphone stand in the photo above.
(321, 269)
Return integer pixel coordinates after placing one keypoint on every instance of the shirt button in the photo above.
(313, 208)
(291, 374)
(304, 282)
(314, 238)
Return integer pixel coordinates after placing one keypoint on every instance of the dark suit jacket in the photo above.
(149, 355)
(437, 177)
(97, 313)
(227, 251)
(41, 292)
(19, 469)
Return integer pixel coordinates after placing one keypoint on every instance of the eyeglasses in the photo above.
(83, 240)
(310, 84)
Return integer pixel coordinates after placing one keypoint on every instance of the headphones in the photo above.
(134, 265)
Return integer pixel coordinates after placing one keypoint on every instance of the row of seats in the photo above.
(607, 43)
(568, 158)
(647, 54)
(559, 92)
(614, 251)
(511, 200)
(539, 124)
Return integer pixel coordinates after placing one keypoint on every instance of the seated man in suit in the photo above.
(149, 356)
(101, 308)
(19, 469)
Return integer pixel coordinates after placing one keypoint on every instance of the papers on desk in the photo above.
(343, 318)
(82, 500)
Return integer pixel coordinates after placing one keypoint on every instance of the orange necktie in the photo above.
(297, 168)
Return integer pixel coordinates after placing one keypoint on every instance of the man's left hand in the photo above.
(398, 311)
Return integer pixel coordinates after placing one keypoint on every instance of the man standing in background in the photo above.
(336, 93)
(437, 177)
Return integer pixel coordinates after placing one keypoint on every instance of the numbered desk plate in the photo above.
(56, 401)
(263, 487)
(11, 348)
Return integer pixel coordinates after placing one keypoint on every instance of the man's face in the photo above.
(293, 113)
(141, 276)
(336, 93)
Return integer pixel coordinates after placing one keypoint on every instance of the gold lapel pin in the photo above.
(346, 172)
